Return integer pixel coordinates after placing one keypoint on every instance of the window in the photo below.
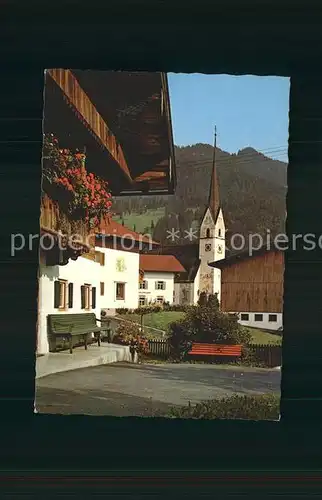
(102, 287)
(272, 317)
(120, 291)
(159, 300)
(144, 285)
(93, 297)
(100, 258)
(258, 317)
(208, 233)
(244, 317)
(70, 295)
(160, 285)
(142, 300)
(86, 296)
(219, 232)
(60, 294)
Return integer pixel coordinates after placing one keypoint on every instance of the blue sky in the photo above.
(247, 110)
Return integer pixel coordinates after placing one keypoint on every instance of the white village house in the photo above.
(157, 284)
(111, 276)
(74, 287)
(120, 273)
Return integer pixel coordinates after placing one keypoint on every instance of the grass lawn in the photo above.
(160, 320)
(264, 338)
(141, 221)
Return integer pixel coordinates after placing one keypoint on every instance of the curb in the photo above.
(43, 368)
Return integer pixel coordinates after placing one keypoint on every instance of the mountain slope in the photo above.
(252, 190)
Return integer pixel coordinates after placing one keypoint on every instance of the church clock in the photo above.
(207, 247)
(219, 249)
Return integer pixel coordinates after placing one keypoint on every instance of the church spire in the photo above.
(214, 200)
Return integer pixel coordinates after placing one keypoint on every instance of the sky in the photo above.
(248, 111)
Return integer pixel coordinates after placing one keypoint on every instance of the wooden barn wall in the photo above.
(254, 285)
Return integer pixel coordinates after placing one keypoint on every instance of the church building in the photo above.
(198, 276)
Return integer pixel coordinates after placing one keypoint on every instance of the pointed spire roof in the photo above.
(214, 199)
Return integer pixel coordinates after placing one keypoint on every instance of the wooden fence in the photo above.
(269, 355)
(159, 348)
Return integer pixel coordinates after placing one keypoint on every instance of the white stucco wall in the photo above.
(120, 266)
(191, 289)
(211, 249)
(220, 237)
(217, 282)
(196, 287)
(177, 289)
(265, 324)
(151, 293)
(77, 272)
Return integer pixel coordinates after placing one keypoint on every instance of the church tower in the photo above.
(212, 237)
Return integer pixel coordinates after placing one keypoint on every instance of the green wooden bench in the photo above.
(72, 325)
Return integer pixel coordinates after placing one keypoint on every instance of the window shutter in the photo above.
(83, 297)
(56, 296)
(163, 286)
(156, 285)
(93, 297)
(70, 295)
(103, 259)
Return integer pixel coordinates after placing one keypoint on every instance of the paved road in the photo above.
(122, 389)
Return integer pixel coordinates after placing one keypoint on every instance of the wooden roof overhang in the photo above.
(71, 116)
(137, 107)
(242, 256)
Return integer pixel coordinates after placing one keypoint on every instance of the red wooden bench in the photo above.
(216, 350)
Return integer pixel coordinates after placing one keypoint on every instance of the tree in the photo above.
(213, 301)
(202, 301)
(134, 227)
(122, 221)
(160, 230)
(152, 224)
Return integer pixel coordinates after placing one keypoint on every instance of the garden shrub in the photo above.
(249, 358)
(151, 308)
(122, 310)
(130, 334)
(205, 323)
(257, 407)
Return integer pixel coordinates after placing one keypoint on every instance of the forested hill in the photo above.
(252, 190)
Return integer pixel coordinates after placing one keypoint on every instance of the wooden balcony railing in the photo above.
(76, 96)
(54, 220)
